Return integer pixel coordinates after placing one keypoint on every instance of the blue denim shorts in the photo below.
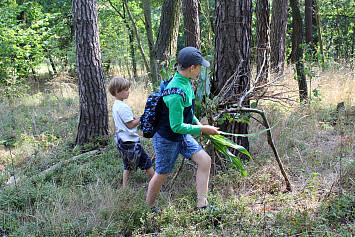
(166, 152)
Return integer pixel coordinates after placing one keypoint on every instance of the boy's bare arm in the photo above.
(208, 129)
(133, 123)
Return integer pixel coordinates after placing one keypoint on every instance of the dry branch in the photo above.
(250, 94)
(53, 167)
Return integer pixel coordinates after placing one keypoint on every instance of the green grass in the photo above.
(84, 196)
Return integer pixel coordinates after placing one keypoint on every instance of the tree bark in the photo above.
(132, 52)
(93, 121)
(21, 16)
(232, 47)
(166, 43)
(130, 33)
(278, 30)
(308, 11)
(319, 30)
(297, 51)
(263, 39)
(192, 30)
(149, 30)
(206, 12)
(135, 30)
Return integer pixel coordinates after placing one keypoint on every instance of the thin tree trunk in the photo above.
(21, 16)
(130, 33)
(133, 55)
(278, 30)
(137, 36)
(206, 13)
(308, 11)
(93, 121)
(51, 61)
(148, 27)
(319, 30)
(263, 39)
(297, 52)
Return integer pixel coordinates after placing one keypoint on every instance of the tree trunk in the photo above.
(93, 121)
(263, 39)
(50, 60)
(319, 30)
(130, 33)
(149, 30)
(278, 30)
(206, 12)
(166, 43)
(21, 16)
(308, 11)
(135, 30)
(232, 47)
(297, 52)
(132, 52)
(192, 30)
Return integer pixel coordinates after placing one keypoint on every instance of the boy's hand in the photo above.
(210, 130)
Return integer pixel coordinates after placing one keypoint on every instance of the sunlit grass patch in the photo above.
(85, 196)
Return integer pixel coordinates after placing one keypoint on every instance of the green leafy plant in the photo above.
(220, 143)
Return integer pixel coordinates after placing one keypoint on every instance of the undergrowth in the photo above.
(46, 192)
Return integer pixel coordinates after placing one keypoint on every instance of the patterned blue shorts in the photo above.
(166, 152)
(133, 154)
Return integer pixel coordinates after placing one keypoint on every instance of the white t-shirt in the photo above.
(122, 114)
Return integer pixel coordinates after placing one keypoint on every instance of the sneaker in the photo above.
(212, 208)
(156, 211)
(163, 188)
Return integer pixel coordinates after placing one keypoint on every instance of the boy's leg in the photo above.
(203, 161)
(154, 187)
(150, 172)
(126, 174)
(144, 161)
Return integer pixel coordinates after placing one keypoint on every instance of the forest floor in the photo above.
(51, 188)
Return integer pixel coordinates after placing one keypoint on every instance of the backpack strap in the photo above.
(163, 84)
(174, 90)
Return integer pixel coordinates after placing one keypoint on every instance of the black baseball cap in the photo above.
(189, 56)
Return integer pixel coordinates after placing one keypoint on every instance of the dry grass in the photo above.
(317, 153)
(335, 84)
(315, 143)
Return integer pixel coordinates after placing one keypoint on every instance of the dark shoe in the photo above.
(156, 211)
(211, 208)
(163, 188)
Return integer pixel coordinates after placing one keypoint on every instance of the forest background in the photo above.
(55, 182)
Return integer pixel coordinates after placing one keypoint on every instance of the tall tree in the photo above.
(137, 35)
(297, 51)
(130, 36)
(278, 30)
(232, 48)
(263, 39)
(166, 43)
(192, 30)
(308, 12)
(21, 14)
(319, 29)
(93, 121)
(149, 30)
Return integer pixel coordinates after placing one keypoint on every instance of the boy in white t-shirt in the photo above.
(127, 138)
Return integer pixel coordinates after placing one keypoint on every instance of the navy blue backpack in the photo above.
(150, 119)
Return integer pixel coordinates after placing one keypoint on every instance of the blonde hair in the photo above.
(118, 84)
